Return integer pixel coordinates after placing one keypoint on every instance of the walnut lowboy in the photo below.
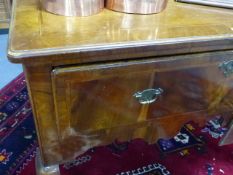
(111, 76)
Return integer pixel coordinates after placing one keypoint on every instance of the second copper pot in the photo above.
(73, 7)
(137, 6)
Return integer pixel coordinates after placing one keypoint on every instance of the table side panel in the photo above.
(41, 95)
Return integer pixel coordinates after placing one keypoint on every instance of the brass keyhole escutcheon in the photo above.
(148, 96)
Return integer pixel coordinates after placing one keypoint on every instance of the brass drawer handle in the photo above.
(226, 67)
(148, 96)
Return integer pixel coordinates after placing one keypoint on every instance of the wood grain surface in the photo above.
(82, 73)
(180, 28)
(97, 111)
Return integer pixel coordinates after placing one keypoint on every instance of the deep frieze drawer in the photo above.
(97, 104)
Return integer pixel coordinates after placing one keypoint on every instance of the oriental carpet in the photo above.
(193, 151)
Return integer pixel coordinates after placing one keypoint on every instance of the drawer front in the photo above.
(140, 99)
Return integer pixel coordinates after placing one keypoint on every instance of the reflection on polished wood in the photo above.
(169, 32)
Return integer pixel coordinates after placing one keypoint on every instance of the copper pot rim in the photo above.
(144, 7)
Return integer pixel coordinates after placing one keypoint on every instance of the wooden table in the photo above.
(110, 76)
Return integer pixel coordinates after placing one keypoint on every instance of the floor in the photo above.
(8, 71)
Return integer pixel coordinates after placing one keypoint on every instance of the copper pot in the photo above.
(73, 7)
(137, 6)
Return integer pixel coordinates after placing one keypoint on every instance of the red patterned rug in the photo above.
(193, 151)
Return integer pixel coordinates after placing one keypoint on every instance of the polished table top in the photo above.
(35, 32)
